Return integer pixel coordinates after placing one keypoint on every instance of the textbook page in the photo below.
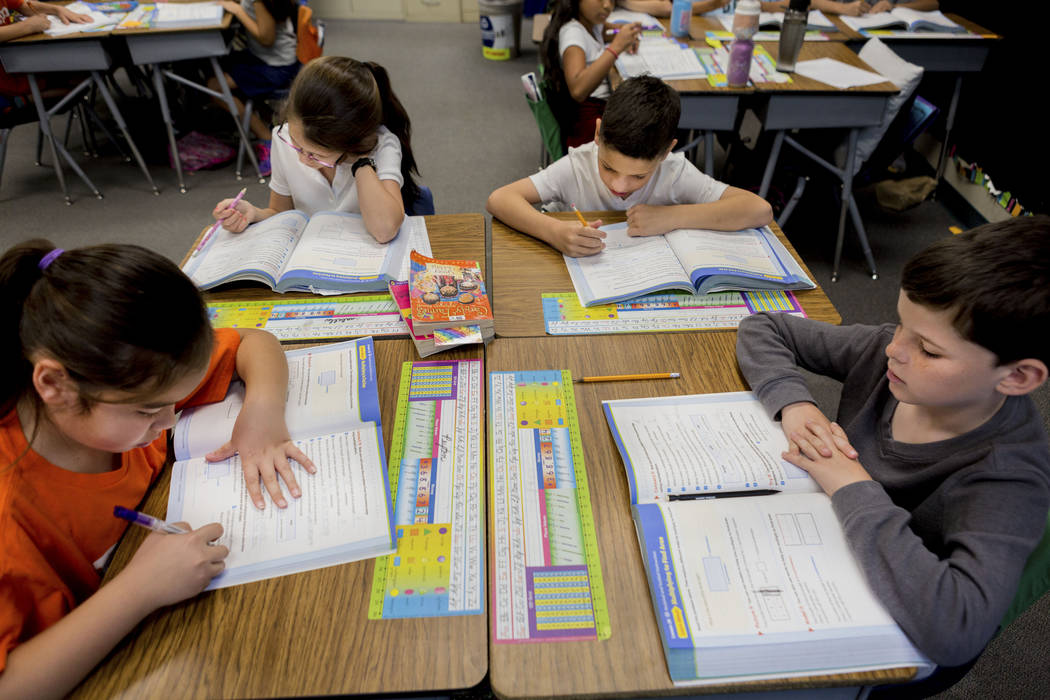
(330, 388)
(681, 447)
(748, 259)
(762, 586)
(337, 248)
(343, 514)
(414, 230)
(257, 253)
(629, 266)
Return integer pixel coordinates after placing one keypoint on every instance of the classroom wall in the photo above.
(409, 10)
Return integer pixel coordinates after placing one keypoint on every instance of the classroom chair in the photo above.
(552, 146)
(873, 144)
(424, 204)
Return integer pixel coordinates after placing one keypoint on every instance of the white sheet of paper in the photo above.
(836, 73)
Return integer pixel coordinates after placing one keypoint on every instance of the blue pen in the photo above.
(147, 521)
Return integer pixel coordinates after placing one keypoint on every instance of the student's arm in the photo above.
(774, 6)
(919, 5)
(31, 7)
(380, 202)
(583, 79)
(736, 209)
(704, 6)
(263, 28)
(656, 8)
(236, 220)
(164, 570)
(32, 24)
(512, 204)
(852, 9)
(260, 434)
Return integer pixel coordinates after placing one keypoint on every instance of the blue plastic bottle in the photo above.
(681, 15)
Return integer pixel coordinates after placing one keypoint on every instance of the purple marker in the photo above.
(147, 521)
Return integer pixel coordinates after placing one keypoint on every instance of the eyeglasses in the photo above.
(309, 156)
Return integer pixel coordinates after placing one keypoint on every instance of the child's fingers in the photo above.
(221, 207)
(224, 452)
(252, 482)
(595, 224)
(810, 445)
(842, 441)
(299, 456)
(269, 472)
(209, 532)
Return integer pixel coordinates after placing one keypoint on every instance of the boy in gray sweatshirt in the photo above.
(937, 465)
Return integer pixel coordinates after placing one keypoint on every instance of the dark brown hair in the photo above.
(118, 318)
(996, 280)
(341, 102)
(641, 117)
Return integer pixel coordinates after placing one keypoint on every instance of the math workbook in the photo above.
(344, 511)
(744, 586)
(437, 472)
(546, 573)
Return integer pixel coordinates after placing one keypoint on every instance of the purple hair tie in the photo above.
(49, 258)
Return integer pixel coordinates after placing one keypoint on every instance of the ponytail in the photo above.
(117, 317)
(395, 118)
(341, 103)
(557, 93)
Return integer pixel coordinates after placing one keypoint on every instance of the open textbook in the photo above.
(328, 253)
(344, 513)
(906, 19)
(693, 260)
(744, 588)
(817, 21)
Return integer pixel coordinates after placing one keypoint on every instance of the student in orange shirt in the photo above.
(103, 345)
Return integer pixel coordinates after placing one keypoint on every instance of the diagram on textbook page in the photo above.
(546, 578)
(437, 477)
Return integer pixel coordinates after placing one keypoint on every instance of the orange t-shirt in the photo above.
(57, 527)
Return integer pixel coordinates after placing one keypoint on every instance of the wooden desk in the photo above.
(454, 236)
(305, 634)
(631, 661)
(523, 268)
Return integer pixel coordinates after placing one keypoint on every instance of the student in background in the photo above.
(576, 63)
(856, 8)
(629, 166)
(267, 65)
(345, 146)
(34, 20)
(938, 465)
(662, 8)
(105, 344)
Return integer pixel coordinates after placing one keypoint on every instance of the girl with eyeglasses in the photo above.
(344, 146)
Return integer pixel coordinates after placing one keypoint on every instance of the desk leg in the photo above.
(709, 153)
(227, 97)
(771, 165)
(847, 193)
(158, 87)
(57, 149)
(948, 128)
(123, 128)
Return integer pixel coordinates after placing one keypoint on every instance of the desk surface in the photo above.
(823, 49)
(524, 268)
(307, 634)
(631, 661)
(42, 37)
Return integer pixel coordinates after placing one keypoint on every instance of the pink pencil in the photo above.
(207, 236)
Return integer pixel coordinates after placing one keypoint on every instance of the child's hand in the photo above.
(170, 568)
(831, 472)
(237, 219)
(853, 9)
(626, 38)
(35, 23)
(578, 241)
(68, 16)
(809, 431)
(881, 6)
(261, 437)
(649, 220)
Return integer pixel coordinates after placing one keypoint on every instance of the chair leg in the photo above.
(800, 187)
(39, 146)
(243, 147)
(5, 135)
(862, 236)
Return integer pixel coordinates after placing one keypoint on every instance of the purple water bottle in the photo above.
(745, 24)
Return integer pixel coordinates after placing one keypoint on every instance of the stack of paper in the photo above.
(661, 57)
(177, 15)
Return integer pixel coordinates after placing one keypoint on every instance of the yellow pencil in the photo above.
(579, 215)
(630, 377)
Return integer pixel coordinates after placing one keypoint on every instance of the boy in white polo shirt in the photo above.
(629, 166)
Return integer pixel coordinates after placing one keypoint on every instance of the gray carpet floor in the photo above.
(472, 133)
